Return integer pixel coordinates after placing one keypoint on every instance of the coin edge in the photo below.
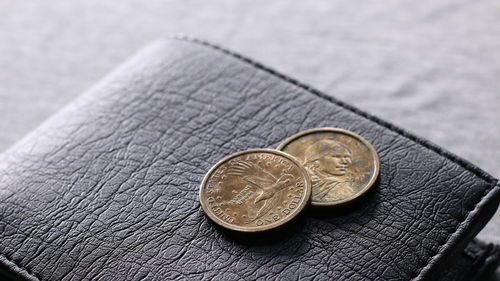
(299, 209)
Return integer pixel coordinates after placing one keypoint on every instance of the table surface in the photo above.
(431, 67)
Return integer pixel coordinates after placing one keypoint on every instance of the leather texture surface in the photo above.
(107, 188)
(430, 67)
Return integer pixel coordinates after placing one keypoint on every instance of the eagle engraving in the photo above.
(268, 186)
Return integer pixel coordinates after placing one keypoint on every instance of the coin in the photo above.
(255, 190)
(342, 165)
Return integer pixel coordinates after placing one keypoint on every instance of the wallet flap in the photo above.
(107, 188)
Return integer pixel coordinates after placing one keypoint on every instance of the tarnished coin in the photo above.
(255, 190)
(342, 164)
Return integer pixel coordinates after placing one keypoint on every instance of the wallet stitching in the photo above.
(450, 235)
(465, 165)
(455, 159)
(426, 144)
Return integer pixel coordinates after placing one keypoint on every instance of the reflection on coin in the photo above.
(255, 190)
(342, 164)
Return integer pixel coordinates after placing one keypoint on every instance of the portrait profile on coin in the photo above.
(328, 163)
(341, 164)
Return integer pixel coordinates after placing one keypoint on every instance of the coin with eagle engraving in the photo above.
(342, 165)
(255, 190)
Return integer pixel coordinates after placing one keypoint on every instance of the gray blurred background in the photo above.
(431, 67)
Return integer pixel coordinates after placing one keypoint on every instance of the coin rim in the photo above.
(298, 210)
(374, 177)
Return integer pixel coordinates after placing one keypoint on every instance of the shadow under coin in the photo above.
(274, 236)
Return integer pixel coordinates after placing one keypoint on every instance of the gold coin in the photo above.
(255, 190)
(342, 165)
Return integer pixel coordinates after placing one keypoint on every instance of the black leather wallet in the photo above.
(107, 189)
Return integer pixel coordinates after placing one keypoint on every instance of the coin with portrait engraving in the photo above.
(255, 190)
(342, 165)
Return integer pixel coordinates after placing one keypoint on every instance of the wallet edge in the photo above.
(484, 208)
(12, 271)
(486, 205)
